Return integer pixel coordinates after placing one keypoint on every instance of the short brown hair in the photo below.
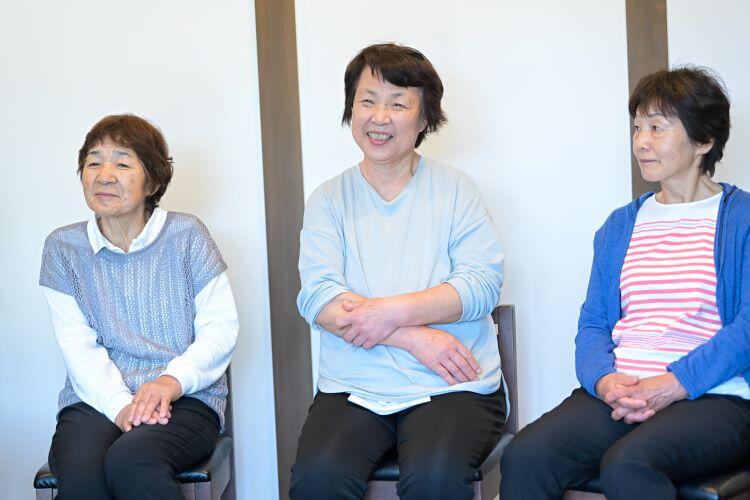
(138, 134)
(697, 97)
(401, 66)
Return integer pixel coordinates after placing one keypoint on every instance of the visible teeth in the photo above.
(379, 136)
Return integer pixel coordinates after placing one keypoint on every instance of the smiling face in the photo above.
(664, 151)
(386, 119)
(114, 181)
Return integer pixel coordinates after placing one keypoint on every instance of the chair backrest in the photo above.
(505, 319)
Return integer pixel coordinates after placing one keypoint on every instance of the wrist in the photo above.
(173, 383)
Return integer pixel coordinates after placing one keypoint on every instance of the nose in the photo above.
(641, 140)
(381, 115)
(107, 173)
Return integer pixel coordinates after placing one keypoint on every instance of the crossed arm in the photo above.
(399, 321)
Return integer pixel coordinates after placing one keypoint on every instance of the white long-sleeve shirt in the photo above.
(95, 378)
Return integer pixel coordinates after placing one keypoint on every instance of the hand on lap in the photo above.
(126, 425)
(636, 400)
(152, 398)
(442, 353)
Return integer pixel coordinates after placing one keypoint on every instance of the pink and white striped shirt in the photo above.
(668, 289)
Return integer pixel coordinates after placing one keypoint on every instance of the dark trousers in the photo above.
(440, 444)
(578, 441)
(93, 459)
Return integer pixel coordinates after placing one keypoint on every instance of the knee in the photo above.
(620, 463)
(439, 475)
(126, 464)
(325, 475)
(525, 455)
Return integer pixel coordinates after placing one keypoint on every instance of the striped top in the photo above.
(668, 289)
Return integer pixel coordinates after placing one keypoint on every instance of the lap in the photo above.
(458, 427)
(689, 438)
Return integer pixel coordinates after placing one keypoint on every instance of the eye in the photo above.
(398, 105)
(655, 128)
(123, 165)
(636, 128)
(366, 102)
(92, 164)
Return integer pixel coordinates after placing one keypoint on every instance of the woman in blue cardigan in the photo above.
(663, 344)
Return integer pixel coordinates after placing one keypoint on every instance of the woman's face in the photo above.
(386, 119)
(663, 148)
(114, 181)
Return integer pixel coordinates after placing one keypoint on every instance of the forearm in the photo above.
(439, 304)
(93, 375)
(327, 316)
(216, 327)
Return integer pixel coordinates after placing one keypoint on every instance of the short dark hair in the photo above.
(401, 66)
(147, 141)
(695, 95)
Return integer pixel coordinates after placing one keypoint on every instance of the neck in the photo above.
(700, 188)
(391, 178)
(123, 229)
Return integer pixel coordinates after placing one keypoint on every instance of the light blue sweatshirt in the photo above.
(436, 231)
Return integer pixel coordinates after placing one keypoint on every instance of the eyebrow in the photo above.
(96, 152)
(394, 94)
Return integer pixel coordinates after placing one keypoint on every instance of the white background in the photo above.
(715, 34)
(188, 66)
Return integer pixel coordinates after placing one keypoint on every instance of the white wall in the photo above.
(536, 95)
(715, 34)
(190, 67)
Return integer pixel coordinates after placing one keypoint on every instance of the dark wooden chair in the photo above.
(211, 479)
(382, 484)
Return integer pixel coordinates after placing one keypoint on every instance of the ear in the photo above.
(705, 147)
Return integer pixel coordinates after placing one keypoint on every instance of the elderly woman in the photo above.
(663, 345)
(400, 270)
(145, 320)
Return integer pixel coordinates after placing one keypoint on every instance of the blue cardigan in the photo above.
(726, 355)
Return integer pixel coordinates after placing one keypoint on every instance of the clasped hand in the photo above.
(369, 322)
(636, 400)
(151, 404)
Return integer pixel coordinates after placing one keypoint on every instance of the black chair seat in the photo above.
(711, 487)
(387, 469)
(200, 473)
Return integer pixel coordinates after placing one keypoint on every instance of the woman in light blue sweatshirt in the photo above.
(663, 344)
(400, 269)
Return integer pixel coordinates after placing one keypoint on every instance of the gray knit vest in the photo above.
(141, 304)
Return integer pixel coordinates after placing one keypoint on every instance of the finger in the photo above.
(163, 405)
(369, 344)
(350, 334)
(464, 366)
(454, 370)
(444, 374)
(359, 340)
(639, 416)
(145, 408)
(467, 354)
(631, 403)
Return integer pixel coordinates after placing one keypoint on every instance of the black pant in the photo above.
(578, 441)
(93, 459)
(440, 444)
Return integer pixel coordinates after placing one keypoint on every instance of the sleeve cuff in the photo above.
(591, 388)
(116, 404)
(693, 392)
(321, 301)
(464, 293)
(184, 374)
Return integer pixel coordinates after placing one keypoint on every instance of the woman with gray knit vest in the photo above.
(145, 319)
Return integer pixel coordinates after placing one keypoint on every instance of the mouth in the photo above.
(379, 138)
(105, 195)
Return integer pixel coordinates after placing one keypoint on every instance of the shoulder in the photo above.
(70, 235)
(442, 173)
(188, 226)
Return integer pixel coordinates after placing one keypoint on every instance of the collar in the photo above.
(145, 238)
